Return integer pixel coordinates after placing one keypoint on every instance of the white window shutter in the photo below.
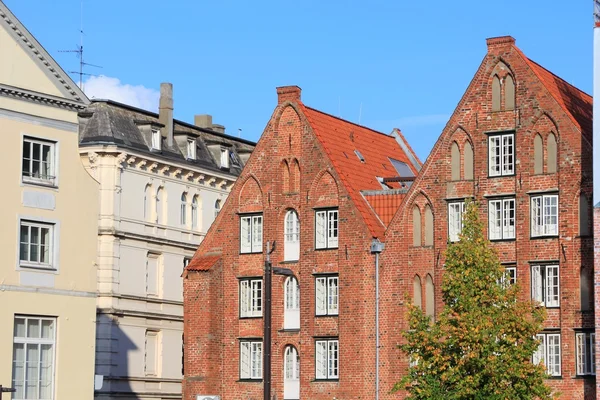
(332, 229)
(536, 216)
(321, 296)
(320, 222)
(244, 298)
(552, 286)
(495, 219)
(508, 219)
(257, 234)
(245, 245)
(245, 360)
(321, 360)
(536, 283)
(332, 295)
(581, 353)
(540, 353)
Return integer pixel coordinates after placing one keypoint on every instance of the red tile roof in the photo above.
(340, 139)
(576, 103)
(385, 204)
(203, 263)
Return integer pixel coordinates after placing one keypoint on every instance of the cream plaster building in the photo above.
(49, 214)
(161, 184)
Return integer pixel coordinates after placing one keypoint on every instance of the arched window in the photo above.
(538, 155)
(291, 317)
(160, 206)
(509, 93)
(585, 289)
(551, 149)
(429, 297)
(496, 93)
(428, 226)
(183, 219)
(584, 216)
(416, 226)
(195, 212)
(417, 292)
(455, 162)
(147, 202)
(291, 376)
(217, 207)
(468, 156)
(292, 236)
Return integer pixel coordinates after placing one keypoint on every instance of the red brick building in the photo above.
(324, 189)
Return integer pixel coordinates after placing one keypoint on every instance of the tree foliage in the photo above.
(481, 345)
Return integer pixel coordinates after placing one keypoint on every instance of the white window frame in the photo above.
(251, 359)
(501, 151)
(545, 285)
(543, 213)
(50, 179)
(327, 359)
(28, 263)
(191, 149)
(251, 298)
(502, 219)
(26, 341)
(251, 231)
(585, 348)
(327, 226)
(510, 275)
(291, 316)
(292, 236)
(327, 295)
(224, 158)
(217, 207)
(183, 211)
(156, 139)
(456, 210)
(547, 353)
(195, 212)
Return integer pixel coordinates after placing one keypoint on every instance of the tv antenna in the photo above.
(79, 51)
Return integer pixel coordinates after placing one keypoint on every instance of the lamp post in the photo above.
(269, 270)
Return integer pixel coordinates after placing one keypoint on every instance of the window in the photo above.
(151, 353)
(545, 285)
(468, 161)
(327, 359)
(327, 297)
(156, 139)
(495, 93)
(585, 345)
(548, 352)
(292, 236)
(454, 162)
(501, 221)
(502, 154)
(186, 261)
(509, 93)
(551, 154)
(584, 216)
(251, 234)
(538, 155)
(510, 275)
(416, 226)
(224, 158)
(195, 212)
(544, 215)
(250, 298)
(417, 292)
(191, 149)
(36, 244)
(39, 165)
(326, 229)
(429, 297)
(152, 275)
(251, 360)
(183, 219)
(455, 216)
(428, 226)
(33, 357)
(291, 317)
(291, 382)
(217, 207)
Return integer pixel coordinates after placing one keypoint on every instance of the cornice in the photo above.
(38, 52)
(39, 98)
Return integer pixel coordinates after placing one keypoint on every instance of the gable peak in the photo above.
(289, 93)
(500, 42)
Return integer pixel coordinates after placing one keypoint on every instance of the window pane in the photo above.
(33, 328)
(320, 229)
(31, 371)
(18, 372)
(47, 329)
(19, 329)
(46, 371)
(321, 300)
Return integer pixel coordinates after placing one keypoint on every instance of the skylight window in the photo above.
(360, 156)
(402, 168)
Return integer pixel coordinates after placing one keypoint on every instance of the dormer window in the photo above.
(156, 139)
(191, 149)
(224, 158)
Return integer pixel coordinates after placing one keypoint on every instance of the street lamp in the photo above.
(6, 390)
(269, 270)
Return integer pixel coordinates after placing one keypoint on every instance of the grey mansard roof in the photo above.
(106, 122)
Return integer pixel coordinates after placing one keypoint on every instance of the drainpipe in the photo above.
(376, 248)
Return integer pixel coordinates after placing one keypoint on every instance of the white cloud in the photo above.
(105, 87)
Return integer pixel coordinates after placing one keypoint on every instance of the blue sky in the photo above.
(396, 63)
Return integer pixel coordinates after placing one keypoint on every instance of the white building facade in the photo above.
(161, 184)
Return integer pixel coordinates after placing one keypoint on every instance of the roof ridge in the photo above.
(345, 120)
(556, 76)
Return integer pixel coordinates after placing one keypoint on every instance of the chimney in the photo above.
(218, 128)
(288, 93)
(500, 42)
(165, 111)
(203, 121)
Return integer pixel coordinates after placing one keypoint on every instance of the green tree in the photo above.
(481, 345)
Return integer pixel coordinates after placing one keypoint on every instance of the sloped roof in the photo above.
(203, 263)
(341, 139)
(385, 203)
(576, 103)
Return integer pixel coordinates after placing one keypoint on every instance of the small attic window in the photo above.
(156, 139)
(360, 156)
(224, 158)
(191, 149)
(402, 168)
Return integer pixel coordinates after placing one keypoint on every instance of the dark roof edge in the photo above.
(383, 192)
(182, 123)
